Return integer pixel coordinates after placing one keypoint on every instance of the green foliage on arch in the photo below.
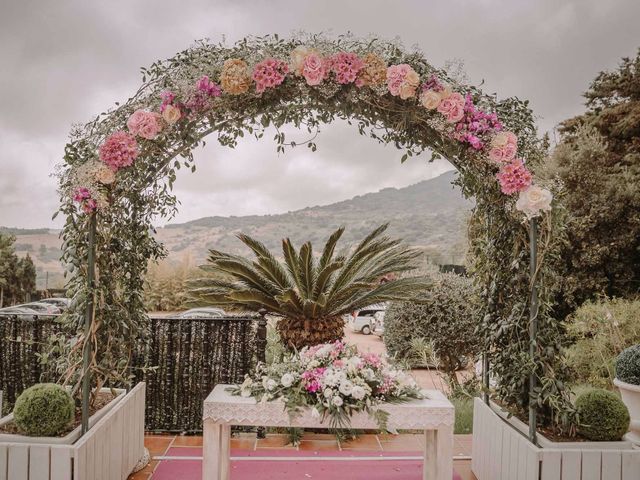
(127, 203)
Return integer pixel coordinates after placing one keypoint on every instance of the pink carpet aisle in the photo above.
(336, 465)
(370, 457)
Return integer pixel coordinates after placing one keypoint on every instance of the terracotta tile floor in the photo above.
(159, 444)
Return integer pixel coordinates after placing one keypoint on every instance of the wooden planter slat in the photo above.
(502, 452)
(109, 451)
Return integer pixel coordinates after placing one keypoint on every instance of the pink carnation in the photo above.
(119, 150)
(514, 177)
(145, 124)
(345, 66)
(269, 73)
(314, 69)
(452, 107)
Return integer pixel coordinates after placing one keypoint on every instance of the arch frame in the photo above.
(124, 208)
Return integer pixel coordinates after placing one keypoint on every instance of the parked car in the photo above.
(42, 308)
(202, 312)
(17, 311)
(366, 321)
(61, 303)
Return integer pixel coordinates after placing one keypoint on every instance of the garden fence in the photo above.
(181, 360)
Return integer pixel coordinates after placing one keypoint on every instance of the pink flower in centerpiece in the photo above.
(514, 177)
(269, 74)
(475, 124)
(371, 359)
(452, 107)
(145, 124)
(167, 98)
(119, 150)
(402, 81)
(338, 363)
(346, 66)
(314, 69)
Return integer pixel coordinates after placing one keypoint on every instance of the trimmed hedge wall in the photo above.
(181, 360)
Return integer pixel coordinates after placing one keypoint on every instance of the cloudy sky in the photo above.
(64, 61)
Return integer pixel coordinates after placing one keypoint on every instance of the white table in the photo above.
(433, 414)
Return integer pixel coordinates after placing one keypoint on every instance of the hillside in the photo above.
(430, 214)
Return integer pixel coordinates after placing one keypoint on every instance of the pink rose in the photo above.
(452, 107)
(144, 124)
(314, 69)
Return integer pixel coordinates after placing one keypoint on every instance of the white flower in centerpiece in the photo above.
(315, 413)
(358, 393)
(271, 384)
(346, 387)
(337, 401)
(287, 380)
(328, 393)
(367, 374)
(534, 200)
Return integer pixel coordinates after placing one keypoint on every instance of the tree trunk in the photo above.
(300, 332)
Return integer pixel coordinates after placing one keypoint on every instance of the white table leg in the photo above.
(429, 469)
(211, 454)
(444, 440)
(225, 451)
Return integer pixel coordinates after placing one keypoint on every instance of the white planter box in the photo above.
(69, 438)
(631, 397)
(501, 450)
(109, 450)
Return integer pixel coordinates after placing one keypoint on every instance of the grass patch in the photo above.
(464, 414)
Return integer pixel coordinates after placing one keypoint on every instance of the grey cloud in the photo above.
(64, 61)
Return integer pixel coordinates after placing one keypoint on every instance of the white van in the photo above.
(367, 320)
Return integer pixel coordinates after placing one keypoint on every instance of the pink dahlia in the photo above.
(145, 124)
(514, 177)
(119, 150)
(269, 74)
(346, 66)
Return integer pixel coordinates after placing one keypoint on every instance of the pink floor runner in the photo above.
(396, 469)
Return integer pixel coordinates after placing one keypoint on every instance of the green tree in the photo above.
(308, 294)
(598, 162)
(17, 275)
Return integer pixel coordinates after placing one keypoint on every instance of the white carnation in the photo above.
(271, 384)
(328, 393)
(337, 401)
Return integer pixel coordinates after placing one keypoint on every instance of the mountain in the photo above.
(430, 214)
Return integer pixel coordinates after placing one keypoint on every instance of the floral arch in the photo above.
(119, 169)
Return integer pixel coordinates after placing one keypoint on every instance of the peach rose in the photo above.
(430, 99)
(534, 200)
(298, 55)
(235, 77)
(502, 139)
(171, 114)
(104, 174)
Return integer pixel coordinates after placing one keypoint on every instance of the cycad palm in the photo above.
(311, 294)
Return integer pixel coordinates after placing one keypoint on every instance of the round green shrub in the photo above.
(44, 410)
(601, 415)
(628, 365)
(446, 320)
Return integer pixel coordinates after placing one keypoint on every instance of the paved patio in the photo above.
(179, 457)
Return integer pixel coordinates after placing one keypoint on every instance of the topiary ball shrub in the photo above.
(44, 410)
(628, 365)
(601, 415)
(447, 320)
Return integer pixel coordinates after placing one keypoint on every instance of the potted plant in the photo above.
(628, 382)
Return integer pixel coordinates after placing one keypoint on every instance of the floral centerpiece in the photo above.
(335, 380)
